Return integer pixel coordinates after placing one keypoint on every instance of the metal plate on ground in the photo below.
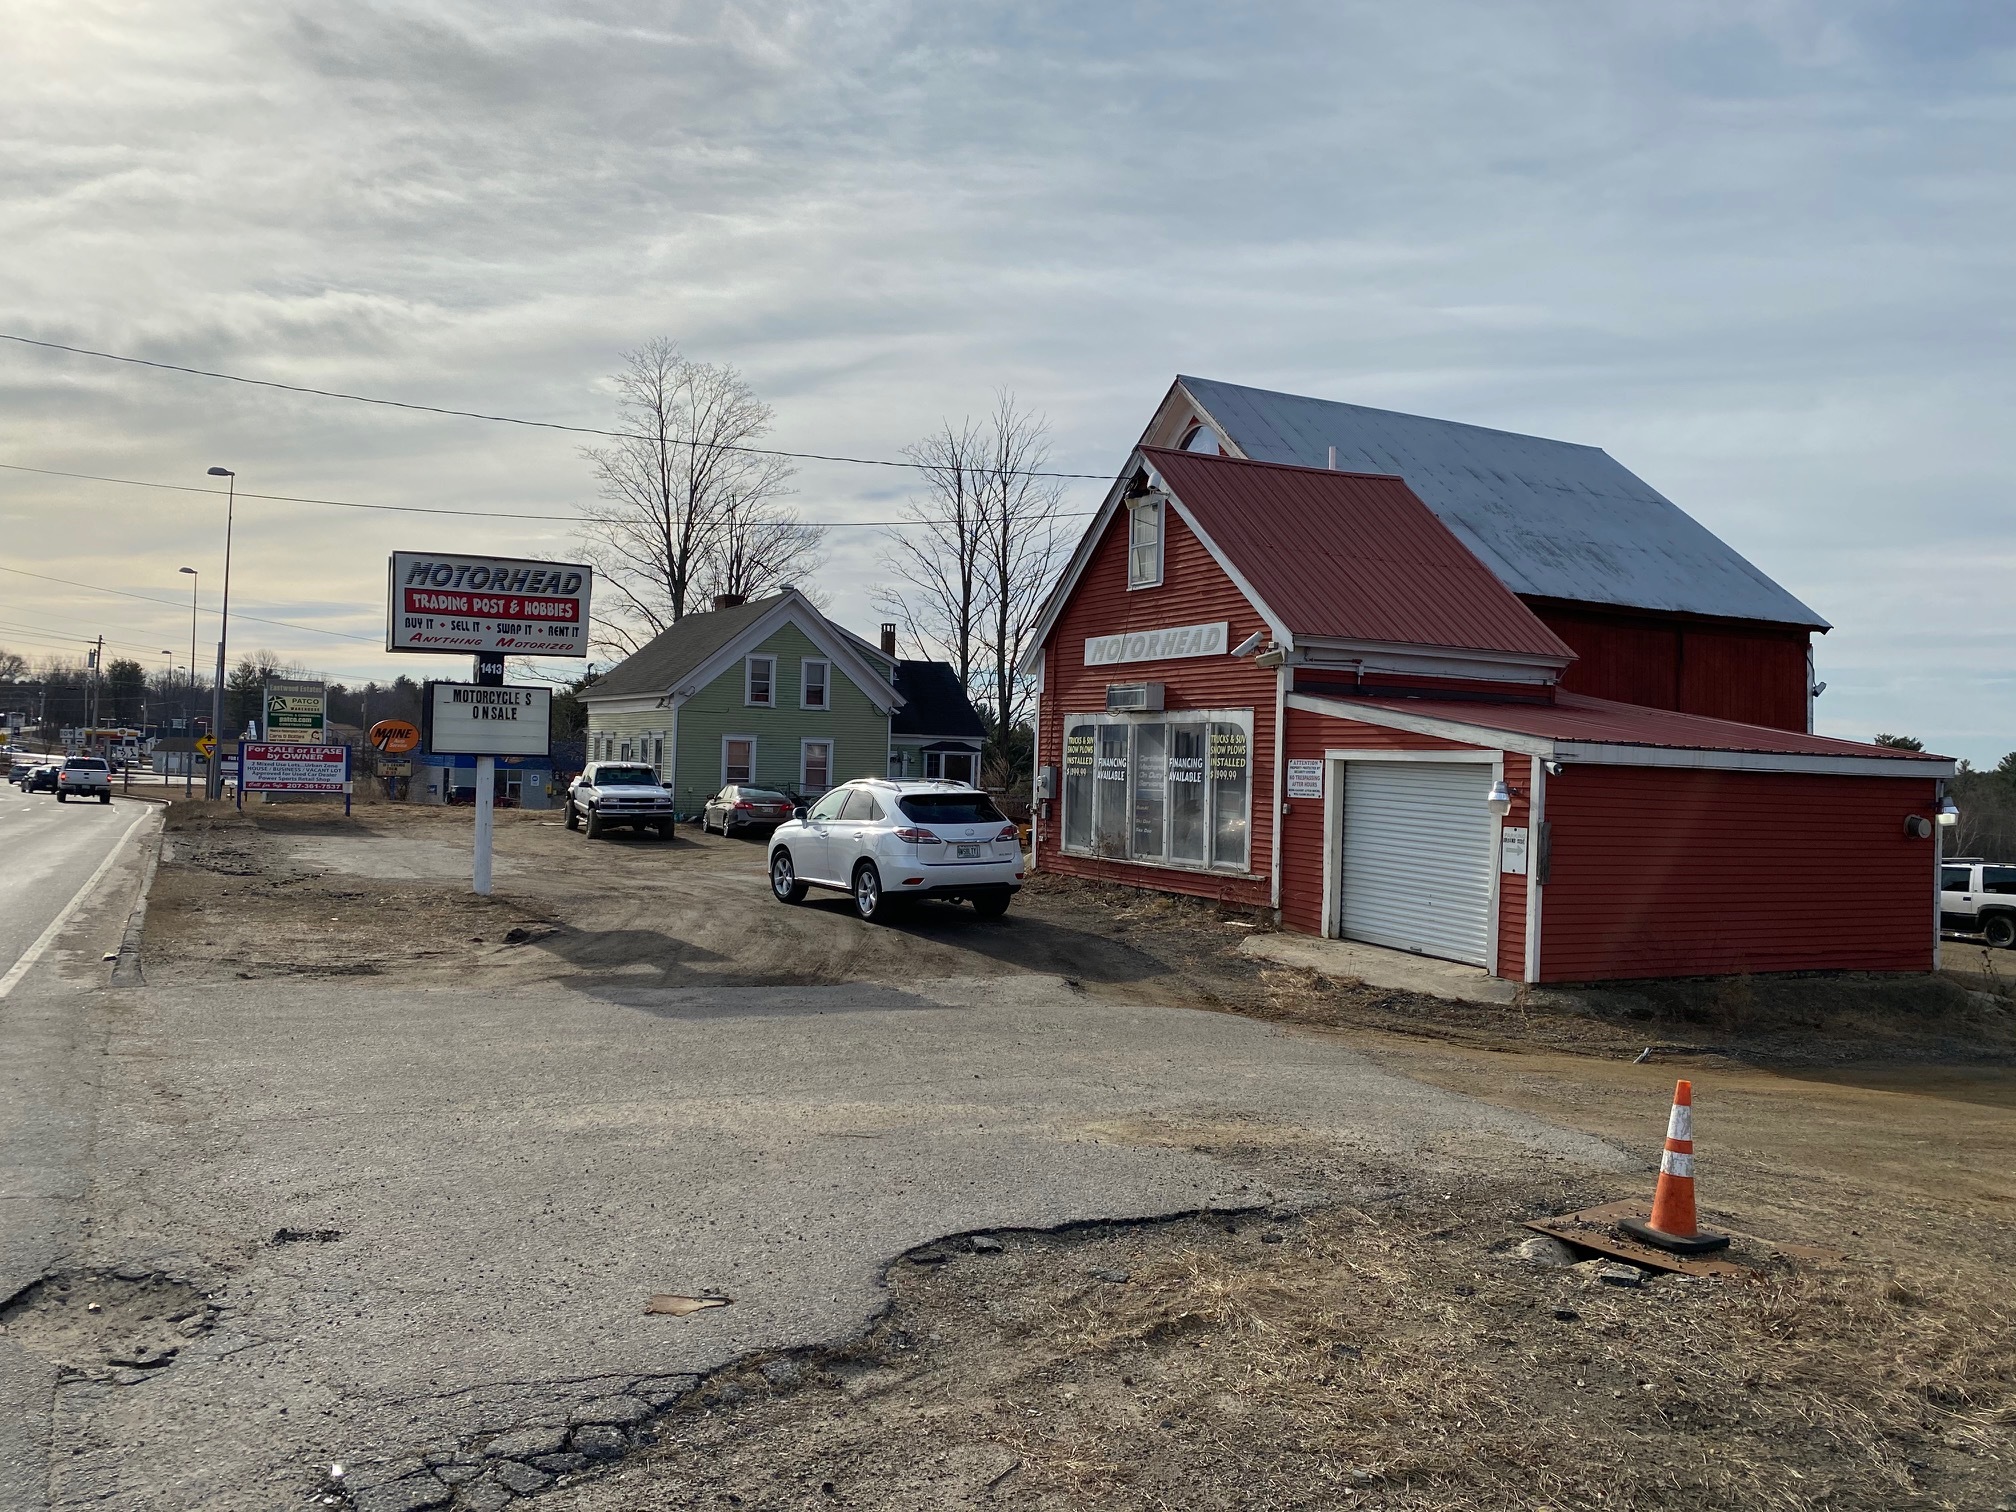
(1594, 1229)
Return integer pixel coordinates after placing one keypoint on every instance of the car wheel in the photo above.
(104, 797)
(991, 905)
(62, 797)
(870, 902)
(573, 815)
(2000, 930)
(784, 883)
(594, 825)
(666, 827)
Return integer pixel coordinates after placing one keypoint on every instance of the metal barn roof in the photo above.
(1347, 556)
(1552, 519)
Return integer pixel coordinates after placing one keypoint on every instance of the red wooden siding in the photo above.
(1755, 674)
(1512, 890)
(1661, 872)
(1194, 590)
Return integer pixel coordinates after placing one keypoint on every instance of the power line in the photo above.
(474, 514)
(552, 425)
(67, 636)
(148, 598)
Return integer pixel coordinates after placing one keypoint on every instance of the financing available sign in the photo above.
(296, 712)
(502, 605)
(470, 719)
(288, 767)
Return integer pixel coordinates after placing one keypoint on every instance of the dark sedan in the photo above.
(738, 807)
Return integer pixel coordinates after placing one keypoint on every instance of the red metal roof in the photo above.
(1351, 556)
(1601, 721)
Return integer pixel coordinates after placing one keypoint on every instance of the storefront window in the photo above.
(1174, 789)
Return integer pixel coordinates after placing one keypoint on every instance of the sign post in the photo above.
(492, 607)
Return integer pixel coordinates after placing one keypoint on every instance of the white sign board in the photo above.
(502, 605)
(1157, 645)
(1512, 850)
(467, 719)
(1305, 778)
(287, 767)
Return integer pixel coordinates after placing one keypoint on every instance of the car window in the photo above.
(950, 808)
(625, 776)
(1998, 879)
(85, 764)
(1955, 878)
(762, 795)
(861, 806)
(829, 807)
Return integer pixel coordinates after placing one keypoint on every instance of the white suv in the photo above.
(883, 841)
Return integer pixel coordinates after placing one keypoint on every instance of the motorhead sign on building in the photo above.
(1157, 645)
(503, 605)
(296, 712)
(468, 719)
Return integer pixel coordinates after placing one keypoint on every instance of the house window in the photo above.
(812, 678)
(628, 752)
(949, 766)
(738, 759)
(815, 766)
(1144, 544)
(761, 689)
(1201, 438)
(1174, 789)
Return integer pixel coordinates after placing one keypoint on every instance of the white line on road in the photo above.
(48, 936)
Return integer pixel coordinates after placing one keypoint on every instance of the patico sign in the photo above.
(1157, 645)
(502, 605)
(469, 719)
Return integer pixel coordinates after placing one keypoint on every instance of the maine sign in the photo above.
(505, 606)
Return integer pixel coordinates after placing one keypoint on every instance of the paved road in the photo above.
(499, 1180)
(61, 862)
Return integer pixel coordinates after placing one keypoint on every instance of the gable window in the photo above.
(813, 676)
(1173, 789)
(738, 759)
(815, 766)
(760, 687)
(1200, 438)
(1144, 544)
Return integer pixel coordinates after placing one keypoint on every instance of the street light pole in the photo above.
(213, 786)
(189, 704)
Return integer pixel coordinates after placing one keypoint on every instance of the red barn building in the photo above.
(1300, 689)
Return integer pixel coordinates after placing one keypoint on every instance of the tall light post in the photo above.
(213, 786)
(189, 705)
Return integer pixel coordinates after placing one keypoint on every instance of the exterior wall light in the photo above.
(1918, 827)
(1949, 814)
(1499, 799)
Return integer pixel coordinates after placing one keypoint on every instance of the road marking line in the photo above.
(48, 936)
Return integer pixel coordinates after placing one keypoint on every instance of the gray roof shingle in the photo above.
(655, 667)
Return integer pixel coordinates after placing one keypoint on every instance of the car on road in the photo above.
(38, 777)
(84, 777)
(882, 841)
(610, 793)
(1978, 897)
(740, 807)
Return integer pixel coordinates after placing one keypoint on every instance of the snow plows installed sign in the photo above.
(503, 605)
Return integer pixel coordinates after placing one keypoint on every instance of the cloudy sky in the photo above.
(1759, 251)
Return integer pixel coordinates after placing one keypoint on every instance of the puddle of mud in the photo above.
(92, 1321)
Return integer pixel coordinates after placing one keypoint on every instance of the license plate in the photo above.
(969, 853)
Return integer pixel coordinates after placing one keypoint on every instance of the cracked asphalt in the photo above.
(428, 1213)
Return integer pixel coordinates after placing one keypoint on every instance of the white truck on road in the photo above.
(1978, 897)
(84, 777)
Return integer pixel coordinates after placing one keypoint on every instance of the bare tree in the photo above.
(973, 565)
(935, 558)
(761, 548)
(677, 487)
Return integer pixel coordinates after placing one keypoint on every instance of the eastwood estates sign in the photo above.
(506, 606)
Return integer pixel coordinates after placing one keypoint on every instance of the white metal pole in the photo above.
(486, 778)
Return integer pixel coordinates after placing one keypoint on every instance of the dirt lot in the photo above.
(1391, 1353)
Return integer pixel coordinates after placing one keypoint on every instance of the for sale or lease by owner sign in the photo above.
(503, 605)
(290, 768)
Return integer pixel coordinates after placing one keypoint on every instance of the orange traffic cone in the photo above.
(1672, 1226)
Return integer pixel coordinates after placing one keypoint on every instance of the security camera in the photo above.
(1819, 688)
(1554, 769)
(1251, 644)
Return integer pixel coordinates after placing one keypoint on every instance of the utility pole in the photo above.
(97, 656)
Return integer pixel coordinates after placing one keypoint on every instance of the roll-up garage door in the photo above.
(1417, 857)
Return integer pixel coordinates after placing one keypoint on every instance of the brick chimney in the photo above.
(730, 600)
(888, 639)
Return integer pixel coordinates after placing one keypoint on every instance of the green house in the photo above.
(774, 694)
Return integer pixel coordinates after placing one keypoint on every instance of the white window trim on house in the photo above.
(1211, 861)
(936, 759)
(1137, 575)
(749, 699)
(825, 683)
(804, 750)
(751, 777)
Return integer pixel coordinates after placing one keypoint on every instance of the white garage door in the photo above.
(1417, 857)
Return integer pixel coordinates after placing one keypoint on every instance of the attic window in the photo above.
(1200, 438)
(1144, 544)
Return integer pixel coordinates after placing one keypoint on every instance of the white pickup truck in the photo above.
(620, 792)
(84, 777)
(1978, 897)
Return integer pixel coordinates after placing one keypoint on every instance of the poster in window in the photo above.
(1081, 743)
(1229, 783)
(1151, 776)
(1109, 775)
(1186, 793)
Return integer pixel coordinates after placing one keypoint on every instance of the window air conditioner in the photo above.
(1123, 698)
